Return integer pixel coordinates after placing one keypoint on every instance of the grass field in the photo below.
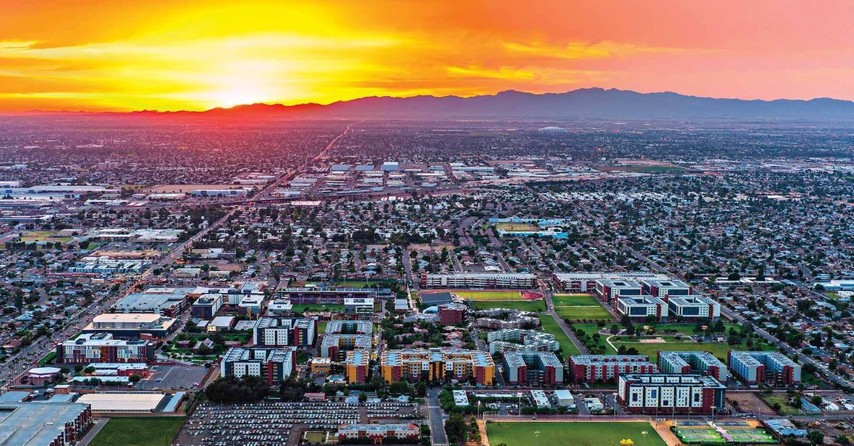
(567, 348)
(301, 308)
(579, 307)
(139, 431)
(572, 434)
(321, 326)
(488, 295)
(523, 305)
(783, 400)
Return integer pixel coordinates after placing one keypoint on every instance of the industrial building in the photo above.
(603, 368)
(693, 362)
(754, 367)
(533, 368)
(101, 347)
(671, 393)
(275, 365)
(479, 280)
(164, 301)
(280, 332)
(437, 365)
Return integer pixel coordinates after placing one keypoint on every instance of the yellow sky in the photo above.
(167, 55)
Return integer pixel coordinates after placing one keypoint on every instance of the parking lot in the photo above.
(270, 423)
(173, 377)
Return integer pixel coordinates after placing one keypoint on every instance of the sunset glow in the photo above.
(166, 55)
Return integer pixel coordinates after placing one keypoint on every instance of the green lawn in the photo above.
(139, 431)
(567, 348)
(523, 305)
(321, 326)
(783, 400)
(584, 312)
(572, 434)
(575, 300)
(301, 308)
(489, 295)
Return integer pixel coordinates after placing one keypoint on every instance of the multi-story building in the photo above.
(164, 301)
(663, 288)
(693, 362)
(275, 365)
(694, 307)
(577, 282)
(641, 307)
(101, 347)
(533, 367)
(359, 306)
(671, 393)
(515, 339)
(437, 365)
(206, 306)
(452, 313)
(479, 280)
(378, 433)
(132, 325)
(610, 289)
(41, 424)
(356, 366)
(349, 327)
(336, 345)
(330, 295)
(757, 366)
(279, 332)
(593, 368)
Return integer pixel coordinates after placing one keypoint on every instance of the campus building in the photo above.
(356, 366)
(693, 362)
(694, 307)
(132, 325)
(275, 365)
(641, 307)
(610, 289)
(578, 282)
(335, 345)
(206, 306)
(754, 367)
(41, 424)
(533, 367)
(479, 280)
(330, 295)
(359, 306)
(437, 365)
(664, 288)
(164, 301)
(671, 393)
(452, 314)
(516, 339)
(101, 347)
(379, 433)
(280, 332)
(595, 368)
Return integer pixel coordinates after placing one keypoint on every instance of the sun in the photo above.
(239, 95)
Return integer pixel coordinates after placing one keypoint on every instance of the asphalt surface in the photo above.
(437, 419)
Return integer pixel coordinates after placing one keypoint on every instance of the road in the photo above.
(550, 308)
(16, 365)
(437, 419)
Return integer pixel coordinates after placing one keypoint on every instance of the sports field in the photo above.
(550, 326)
(577, 307)
(301, 308)
(572, 434)
(517, 227)
(139, 431)
(523, 305)
(488, 295)
(733, 433)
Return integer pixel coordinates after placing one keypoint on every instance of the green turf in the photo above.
(584, 312)
(574, 300)
(523, 305)
(321, 326)
(783, 400)
(301, 308)
(489, 295)
(139, 431)
(567, 348)
(571, 434)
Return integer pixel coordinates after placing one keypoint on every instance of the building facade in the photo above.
(101, 347)
(693, 362)
(274, 365)
(595, 368)
(754, 367)
(479, 280)
(666, 393)
(437, 365)
(284, 332)
(533, 367)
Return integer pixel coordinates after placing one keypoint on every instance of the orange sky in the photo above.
(194, 54)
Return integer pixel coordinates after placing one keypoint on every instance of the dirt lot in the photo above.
(750, 402)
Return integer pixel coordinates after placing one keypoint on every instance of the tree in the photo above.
(421, 389)
(456, 428)
(363, 397)
(246, 389)
(135, 378)
(815, 437)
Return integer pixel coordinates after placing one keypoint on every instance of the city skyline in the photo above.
(201, 55)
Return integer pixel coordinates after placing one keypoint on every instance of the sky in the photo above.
(110, 55)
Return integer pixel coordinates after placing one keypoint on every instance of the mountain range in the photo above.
(588, 103)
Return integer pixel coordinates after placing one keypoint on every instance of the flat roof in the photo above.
(122, 401)
(36, 424)
(127, 317)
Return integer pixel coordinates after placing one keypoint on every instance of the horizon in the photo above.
(199, 55)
